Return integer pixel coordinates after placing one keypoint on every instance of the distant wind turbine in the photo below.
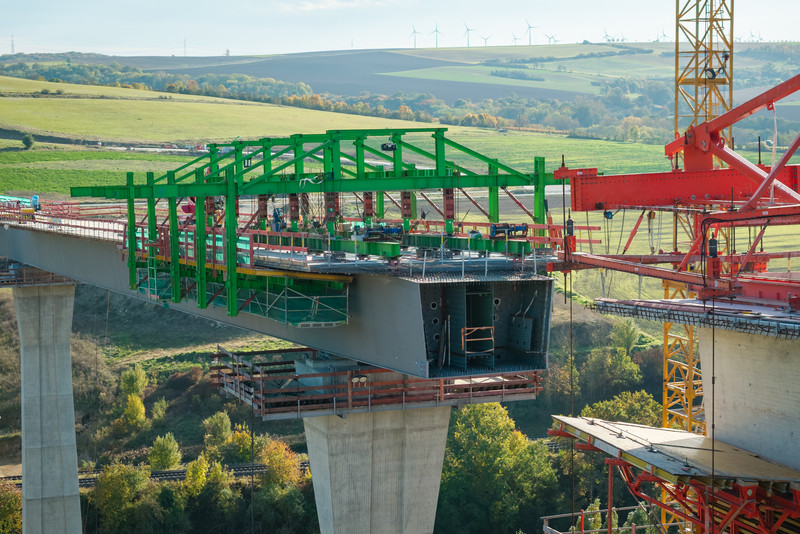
(414, 34)
(663, 35)
(529, 30)
(467, 32)
(485, 40)
(436, 32)
(551, 39)
(606, 37)
(514, 39)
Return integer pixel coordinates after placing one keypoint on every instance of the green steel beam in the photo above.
(131, 237)
(201, 278)
(231, 239)
(174, 245)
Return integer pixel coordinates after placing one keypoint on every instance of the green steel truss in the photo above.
(352, 161)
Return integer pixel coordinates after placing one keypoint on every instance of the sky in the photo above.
(243, 27)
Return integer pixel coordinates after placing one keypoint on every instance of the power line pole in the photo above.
(12, 45)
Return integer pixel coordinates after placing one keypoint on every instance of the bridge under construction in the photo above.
(398, 319)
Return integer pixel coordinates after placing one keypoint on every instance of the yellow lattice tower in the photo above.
(703, 61)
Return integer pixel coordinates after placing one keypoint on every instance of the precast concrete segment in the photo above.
(51, 501)
(756, 394)
(387, 336)
(377, 472)
(386, 328)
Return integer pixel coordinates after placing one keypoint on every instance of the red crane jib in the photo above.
(699, 183)
(590, 191)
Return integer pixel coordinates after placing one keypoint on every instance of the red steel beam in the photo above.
(673, 188)
(434, 206)
(518, 203)
(474, 202)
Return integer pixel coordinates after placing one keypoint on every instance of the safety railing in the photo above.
(577, 523)
(276, 392)
(57, 222)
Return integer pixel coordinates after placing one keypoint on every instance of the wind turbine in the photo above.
(514, 39)
(663, 35)
(467, 32)
(436, 32)
(414, 34)
(529, 31)
(606, 37)
(485, 40)
(551, 39)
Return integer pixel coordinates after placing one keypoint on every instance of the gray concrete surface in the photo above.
(756, 398)
(377, 472)
(51, 502)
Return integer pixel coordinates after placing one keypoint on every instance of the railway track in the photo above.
(88, 479)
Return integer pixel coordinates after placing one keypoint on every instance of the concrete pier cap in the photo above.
(375, 472)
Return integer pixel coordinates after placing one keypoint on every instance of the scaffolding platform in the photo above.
(711, 482)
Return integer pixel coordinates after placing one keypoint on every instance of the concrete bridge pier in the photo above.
(377, 472)
(51, 501)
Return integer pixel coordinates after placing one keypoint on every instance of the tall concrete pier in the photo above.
(756, 394)
(51, 502)
(377, 472)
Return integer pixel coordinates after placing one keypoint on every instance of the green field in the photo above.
(577, 82)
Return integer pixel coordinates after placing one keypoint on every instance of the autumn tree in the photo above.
(118, 491)
(134, 414)
(494, 479)
(608, 372)
(195, 479)
(283, 464)
(630, 407)
(218, 429)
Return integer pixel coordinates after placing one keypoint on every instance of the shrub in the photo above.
(134, 416)
(10, 508)
(159, 409)
(27, 141)
(133, 381)
(195, 479)
(165, 453)
(218, 429)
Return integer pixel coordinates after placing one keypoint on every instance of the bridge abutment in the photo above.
(51, 501)
(377, 472)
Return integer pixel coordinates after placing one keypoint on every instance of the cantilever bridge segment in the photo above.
(291, 237)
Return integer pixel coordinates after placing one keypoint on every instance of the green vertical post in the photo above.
(439, 154)
(494, 196)
(131, 234)
(201, 278)
(299, 165)
(267, 162)
(361, 167)
(152, 235)
(398, 155)
(380, 206)
(538, 191)
(334, 160)
(174, 243)
(231, 239)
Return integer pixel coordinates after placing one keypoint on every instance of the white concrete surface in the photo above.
(377, 472)
(51, 502)
(757, 392)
